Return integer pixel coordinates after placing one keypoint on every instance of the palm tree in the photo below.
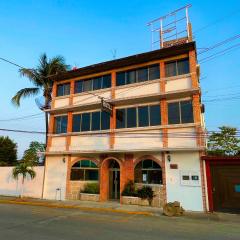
(23, 169)
(41, 79)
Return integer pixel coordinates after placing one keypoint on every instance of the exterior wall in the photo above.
(138, 89)
(85, 98)
(58, 144)
(75, 189)
(182, 137)
(189, 196)
(11, 187)
(178, 83)
(55, 177)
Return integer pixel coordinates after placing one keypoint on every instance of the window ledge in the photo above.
(137, 129)
(93, 91)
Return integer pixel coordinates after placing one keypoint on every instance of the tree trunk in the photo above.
(46, 126)
(22, 190)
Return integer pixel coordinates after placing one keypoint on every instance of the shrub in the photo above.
(129, 189)
(146, 192)
(92, 188)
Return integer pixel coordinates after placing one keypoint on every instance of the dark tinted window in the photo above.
(143, 117)
(154, 72)
(173, 113)
(63, 89)
(171, 69)
(106, 81)
(61, 124)
(155, 115)
(130, 77)
(178, 67)
(121, 118)
(105, 120)
(87, 85)
(183, 66)
(131, 117)
(120, 79)
(186, 112)
(85, 125)
(142, 74)
(76, 122)
(97, 83)
(95, 121)
(78, 86)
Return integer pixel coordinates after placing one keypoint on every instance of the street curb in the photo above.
(96, 209)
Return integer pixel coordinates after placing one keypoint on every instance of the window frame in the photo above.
(102, 77)
(147, 170)
(137, 116)
(180, 111)
(55, 124)
(90, 124)
(136, 74)
(84, 169)
(63, 91)
(176, 62)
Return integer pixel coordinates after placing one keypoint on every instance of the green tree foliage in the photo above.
(226, 142)
(31, 155)
(23, 169)
(42, 83)
(8, 151)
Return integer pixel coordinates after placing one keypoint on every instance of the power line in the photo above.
(21, 131)
(220, 53)
(216, 21)
(20, 118)
(228, 40)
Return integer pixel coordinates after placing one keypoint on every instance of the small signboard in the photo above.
(106, 107)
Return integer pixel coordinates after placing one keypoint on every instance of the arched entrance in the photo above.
(111, 179)
(114, 180)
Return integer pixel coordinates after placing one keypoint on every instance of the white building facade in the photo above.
(154, 135)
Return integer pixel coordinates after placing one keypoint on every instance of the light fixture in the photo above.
(64, 160)
(168, 156)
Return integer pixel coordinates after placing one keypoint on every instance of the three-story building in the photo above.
(153, 136)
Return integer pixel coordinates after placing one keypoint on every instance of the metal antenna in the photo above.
(171, 29)
(114, 53)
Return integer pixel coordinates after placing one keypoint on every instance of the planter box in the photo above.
(134, 201)
(89, 197)
(129, 200)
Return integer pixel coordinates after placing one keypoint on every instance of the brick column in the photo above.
(69, 130)
(163, 105)
(68, 186)
(162, 76)
(71, 92)
(50, 131)
(193, 66)
(104, 179)
(54, 93)
(127, 172)
(113, 117)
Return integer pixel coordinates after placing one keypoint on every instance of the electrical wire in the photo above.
(21, 118)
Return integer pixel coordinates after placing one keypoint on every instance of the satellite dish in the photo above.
(40, 102)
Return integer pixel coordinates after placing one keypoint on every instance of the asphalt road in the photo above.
(37, 223)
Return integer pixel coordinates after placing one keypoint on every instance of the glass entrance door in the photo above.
(114, 180)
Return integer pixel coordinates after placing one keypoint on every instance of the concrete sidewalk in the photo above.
(116, 207)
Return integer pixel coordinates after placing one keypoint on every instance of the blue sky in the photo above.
(86, 32)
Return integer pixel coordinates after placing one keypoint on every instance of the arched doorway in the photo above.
(114, 180)
(110, 179)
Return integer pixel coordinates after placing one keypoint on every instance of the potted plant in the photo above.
(90, 192)
(129, 194)
(146, 193)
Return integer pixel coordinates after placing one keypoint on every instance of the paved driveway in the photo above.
(36, 223)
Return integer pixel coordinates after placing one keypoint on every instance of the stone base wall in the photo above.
(75, 188)
(159, 199)
(89, 197)
(134, 201)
